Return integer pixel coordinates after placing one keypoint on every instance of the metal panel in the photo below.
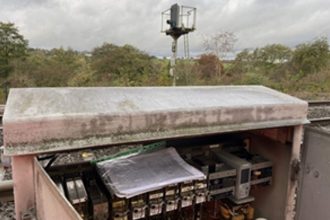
(50, 203)
(39, 120)
(314, 193)
(175, 16)
(275, 195)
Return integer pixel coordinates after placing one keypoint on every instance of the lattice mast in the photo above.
(181, 21)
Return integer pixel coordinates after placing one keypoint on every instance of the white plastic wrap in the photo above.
(131, 176)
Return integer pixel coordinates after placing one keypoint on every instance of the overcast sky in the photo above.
(83, 25)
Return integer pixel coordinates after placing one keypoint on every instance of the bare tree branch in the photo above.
(220, 44)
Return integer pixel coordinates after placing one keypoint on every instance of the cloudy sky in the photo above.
(85, 24)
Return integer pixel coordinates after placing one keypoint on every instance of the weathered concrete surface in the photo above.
(51, 119)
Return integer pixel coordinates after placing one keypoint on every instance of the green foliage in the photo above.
(242, 63)
(109, 65)
(125, 65)
(263, 58)
(186, 72)
(252, 78)
(84, 75)
(311, 57)
(275, 53)
(303, 70)
(2, 97)
(12, 46)
(47, 68)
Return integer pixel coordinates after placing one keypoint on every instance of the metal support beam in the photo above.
(173, 58)
(186, 46)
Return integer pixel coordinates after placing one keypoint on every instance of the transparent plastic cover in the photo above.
(131, 176)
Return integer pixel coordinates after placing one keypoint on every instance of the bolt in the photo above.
(316, 174)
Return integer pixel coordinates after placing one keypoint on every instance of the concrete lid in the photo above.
(40, 120)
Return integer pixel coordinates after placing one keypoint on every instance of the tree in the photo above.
(51, 68)
(220, 44)
(266, 60)
(208, 66)
(186, 71)
(311, 57)
(243, 62)
(275, 53)
(84, 75)
(126, 65)
(12, 46)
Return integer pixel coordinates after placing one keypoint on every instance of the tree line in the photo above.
(303, 70)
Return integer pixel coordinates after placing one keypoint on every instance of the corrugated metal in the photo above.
(40, 120)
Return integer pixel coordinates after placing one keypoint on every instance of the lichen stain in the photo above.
(240, 115)
(84, 129)
(155, 121)
(264, 112)
(127, 105)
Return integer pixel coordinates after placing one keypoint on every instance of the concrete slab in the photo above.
(38, 120)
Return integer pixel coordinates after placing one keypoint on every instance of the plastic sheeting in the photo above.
(131, 176)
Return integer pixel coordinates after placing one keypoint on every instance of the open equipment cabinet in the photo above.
(245, 139)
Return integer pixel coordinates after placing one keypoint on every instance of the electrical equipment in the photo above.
(119, 208)
(155, 205)
(222, 182)
(261, 168)
(187, 194)
(231, 170)
(98, 202)
(174, 22)
(77, 195)
(229, 210)
(201, 192)
(138, 207)
(182, 21)
(220, 177)
(60, 187)
(243, 173)
(206, 164)
(262, 171)
(171, 198)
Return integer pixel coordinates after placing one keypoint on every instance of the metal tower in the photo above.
(181, 21)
